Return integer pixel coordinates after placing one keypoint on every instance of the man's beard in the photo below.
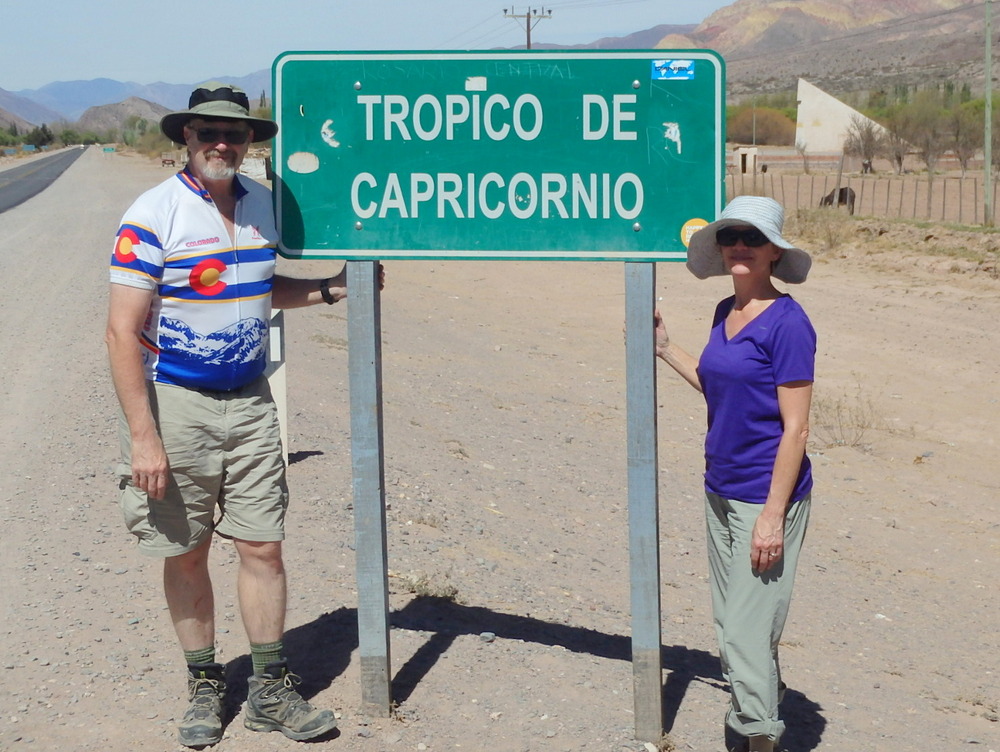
(217, 169)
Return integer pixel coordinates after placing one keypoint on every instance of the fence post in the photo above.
(975, 197)
(961, 190)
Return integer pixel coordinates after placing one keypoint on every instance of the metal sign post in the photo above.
(598, 156)
(364, 331)
(643, 501)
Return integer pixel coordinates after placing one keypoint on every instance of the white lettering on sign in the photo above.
(598, 117)
(393, 116)
(523, 196)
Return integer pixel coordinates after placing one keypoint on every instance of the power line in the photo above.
(531, 19)
(491, 19)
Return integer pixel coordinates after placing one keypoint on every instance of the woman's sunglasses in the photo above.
(235, 137)
(752, 238)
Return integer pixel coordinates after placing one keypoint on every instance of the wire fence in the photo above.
(942, 199)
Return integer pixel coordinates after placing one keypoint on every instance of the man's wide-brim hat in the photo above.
(216, 101)
(705, 256)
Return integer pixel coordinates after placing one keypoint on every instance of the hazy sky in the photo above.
(183, 41)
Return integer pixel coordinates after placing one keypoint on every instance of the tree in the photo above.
(40, 137)
(966, 130)
(864, 138)
(68, 136)
(800, 147)
(895, 146)
(153, 143)
(262, 112)
(925, 126)
(133, 129)
(760, 125)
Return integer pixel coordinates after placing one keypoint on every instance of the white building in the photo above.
(822, 120)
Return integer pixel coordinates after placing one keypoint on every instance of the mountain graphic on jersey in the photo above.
(239, 344)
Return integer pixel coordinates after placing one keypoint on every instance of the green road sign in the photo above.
(521, 155)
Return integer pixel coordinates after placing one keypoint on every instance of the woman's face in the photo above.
(746, 250)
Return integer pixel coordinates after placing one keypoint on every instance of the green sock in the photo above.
(265, 653)
(204, 655)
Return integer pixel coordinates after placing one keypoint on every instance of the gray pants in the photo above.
(750, 610)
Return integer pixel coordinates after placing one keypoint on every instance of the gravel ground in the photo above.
(507, 519)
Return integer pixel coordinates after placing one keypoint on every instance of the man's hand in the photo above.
(150, 466)
(660, 336)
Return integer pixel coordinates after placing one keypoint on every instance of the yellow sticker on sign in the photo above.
(690, 228)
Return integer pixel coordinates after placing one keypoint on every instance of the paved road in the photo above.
(20, 183)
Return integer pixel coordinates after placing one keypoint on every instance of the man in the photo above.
(192, 285)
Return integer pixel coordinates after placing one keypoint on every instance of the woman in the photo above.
(756, 373)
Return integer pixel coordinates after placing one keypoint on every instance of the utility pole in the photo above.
(531, 19)
(988, 140)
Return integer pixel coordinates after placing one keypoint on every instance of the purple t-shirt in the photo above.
(740, 379)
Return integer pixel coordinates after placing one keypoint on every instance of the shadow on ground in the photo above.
(321, 650)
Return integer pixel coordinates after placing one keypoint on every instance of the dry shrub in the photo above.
(823, 229)
(766, 126)
(423, 585)
(845, 419)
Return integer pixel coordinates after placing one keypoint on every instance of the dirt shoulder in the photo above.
(507, 506)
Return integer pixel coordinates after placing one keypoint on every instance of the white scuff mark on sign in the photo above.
(328, 134)
(303, 162)
(475, 83)
(672, 132)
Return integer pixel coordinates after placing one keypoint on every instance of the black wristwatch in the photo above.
(324, 290)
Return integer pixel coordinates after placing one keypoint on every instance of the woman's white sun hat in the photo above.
(705, 257)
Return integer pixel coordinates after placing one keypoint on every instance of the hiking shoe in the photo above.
(274, 705)
(201, 725)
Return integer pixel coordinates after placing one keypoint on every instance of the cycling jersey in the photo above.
(208, 322)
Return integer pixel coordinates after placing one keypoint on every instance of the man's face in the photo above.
(213, 153)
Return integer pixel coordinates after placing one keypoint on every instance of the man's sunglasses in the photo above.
(236, 136)
(752, 238)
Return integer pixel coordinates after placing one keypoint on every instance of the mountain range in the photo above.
(840, 45)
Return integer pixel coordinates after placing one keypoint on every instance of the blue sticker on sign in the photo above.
(673, 70)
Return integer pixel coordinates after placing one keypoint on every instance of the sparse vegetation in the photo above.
(845, 419)
(765, 126)
(422, 585)
(865, 138)
(822, 228)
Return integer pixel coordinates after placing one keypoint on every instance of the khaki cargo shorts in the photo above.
(227, 473)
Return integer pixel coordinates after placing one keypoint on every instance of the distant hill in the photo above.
(7, 119)
(640, 40)
(68, 100)
(107, 117)
(841, 46)
(71, 98)
(26, 110)
(757, 27)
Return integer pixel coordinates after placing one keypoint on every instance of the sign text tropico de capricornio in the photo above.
(521, 155)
